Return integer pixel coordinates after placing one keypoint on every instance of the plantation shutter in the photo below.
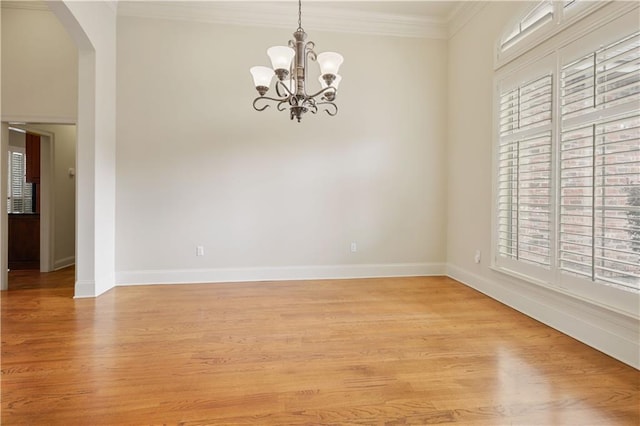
(602, 79)
(19, 192)
(600, 165)
(525, 173)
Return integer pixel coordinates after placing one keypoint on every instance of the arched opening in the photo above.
(89, 25)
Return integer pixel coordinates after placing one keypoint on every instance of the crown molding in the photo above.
(462, 14)
(316, 16)
(28, 5)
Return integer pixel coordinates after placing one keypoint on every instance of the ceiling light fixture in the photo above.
(290, 66)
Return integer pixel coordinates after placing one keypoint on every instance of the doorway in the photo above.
(23, 200)
(43, 221)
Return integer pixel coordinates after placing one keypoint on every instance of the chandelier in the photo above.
(290, 66)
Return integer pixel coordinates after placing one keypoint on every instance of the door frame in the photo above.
(47, 194)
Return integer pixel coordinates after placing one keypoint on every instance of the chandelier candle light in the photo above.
(289, 65)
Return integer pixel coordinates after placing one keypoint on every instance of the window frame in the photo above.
(554, 53)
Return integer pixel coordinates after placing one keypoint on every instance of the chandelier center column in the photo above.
(301, 58)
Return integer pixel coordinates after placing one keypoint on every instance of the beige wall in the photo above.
(64, 196)
(39, 83)
(470, 144)
(39, 68)
(17, 139)
(196, 165)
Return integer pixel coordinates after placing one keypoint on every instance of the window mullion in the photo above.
(593, 201)
(518, 192)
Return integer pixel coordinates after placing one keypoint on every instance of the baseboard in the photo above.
(84, 288)
(63, 263)
(188, 276)
(612, 333)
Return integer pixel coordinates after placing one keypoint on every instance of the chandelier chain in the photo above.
(299, 14)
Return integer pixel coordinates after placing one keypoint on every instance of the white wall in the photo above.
(469, 164)
(92, 26)
(39, 68)
(265, 196)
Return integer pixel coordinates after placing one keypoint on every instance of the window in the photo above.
(540, 15)
(524, 178)
(541, 22)
(19, 195)
(567, 176)
(600, 165)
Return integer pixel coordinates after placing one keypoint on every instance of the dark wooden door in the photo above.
(24, 241)
(32, 151)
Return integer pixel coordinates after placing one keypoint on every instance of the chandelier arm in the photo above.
(279, 107)
(309, 49)
(326, 89)
(327, 110)
(266, 98)
(280, 84)
(308, 53)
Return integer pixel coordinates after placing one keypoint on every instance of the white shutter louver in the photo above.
(524, 175)
(602, 79)
(19, 193)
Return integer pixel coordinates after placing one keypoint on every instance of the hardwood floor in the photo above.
(372, 351)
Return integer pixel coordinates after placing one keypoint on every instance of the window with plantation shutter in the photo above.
(600, 165)
(567, 198)
(19, 196)
(524, 172)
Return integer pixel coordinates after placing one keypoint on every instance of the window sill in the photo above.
(567, 293)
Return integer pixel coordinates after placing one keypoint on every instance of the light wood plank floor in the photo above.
(372, 351)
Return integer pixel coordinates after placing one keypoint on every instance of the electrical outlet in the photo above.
(477, 256)
(199, 250)
(354, 247)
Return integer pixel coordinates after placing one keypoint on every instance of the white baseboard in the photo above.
(188, 276)
(63, 263)
(612, 333)
(85, 288)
